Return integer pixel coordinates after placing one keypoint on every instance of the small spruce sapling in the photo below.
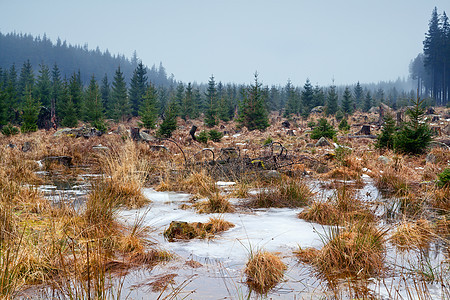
(415, 135)
(323, 129)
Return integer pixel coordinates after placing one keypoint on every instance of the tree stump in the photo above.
(365, 130)
(135, 136)
(192, 132)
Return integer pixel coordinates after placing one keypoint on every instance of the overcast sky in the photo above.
(347, 40)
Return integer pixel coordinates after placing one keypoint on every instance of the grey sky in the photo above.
(348, 40)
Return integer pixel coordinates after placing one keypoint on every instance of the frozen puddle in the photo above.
(224, 257)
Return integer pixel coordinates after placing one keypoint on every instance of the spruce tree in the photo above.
(122, 108)
(359, 95)
(332, 101)
(105, 91)
(43, 86)
(188, 107)
(69, 113)
(149, 110)
(137, 87)
(347, 101)
(56, 92)
(163, 95)
(3, 96)
(367, 102)
(211, 118)
(319, 96)
(323, 129)
(415, 135)
(307, 98)
(94, 106)
(432, 53)
(198, 103)
(76, 94)
(26, 81)
(293, 101)
(169, 124)
(12, 97)
(252, 110)
(179, 98)
(30, 112)
(386, 138)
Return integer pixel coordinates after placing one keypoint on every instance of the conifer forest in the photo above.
(119, 181)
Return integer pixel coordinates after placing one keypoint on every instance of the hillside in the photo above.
(18, 48)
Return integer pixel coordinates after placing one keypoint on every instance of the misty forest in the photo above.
(120, 182)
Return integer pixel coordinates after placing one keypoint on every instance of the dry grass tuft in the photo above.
(342, 208)
(216, 203)
(354, 251)
(287, 193)
(199, 183)
(127, 174)
(441, 200)
(392, 181)
(343, 172)
(264, 270)
(307, 255)
(411, 204)
(413, 235)
(320, 212)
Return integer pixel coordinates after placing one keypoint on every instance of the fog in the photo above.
(347, 41)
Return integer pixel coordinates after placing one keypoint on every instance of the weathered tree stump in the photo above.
(192, 132)
(135, 136)
(365, 130)
(286, 124)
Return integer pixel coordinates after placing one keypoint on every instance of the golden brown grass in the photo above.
(264, 270)
(342, 208)
(441, 200)
(286, 193)
(356, 251)
(344, 173)
(392, 181)
(216, 203)
(413, 235)
(48, 244)
(127, 174)
(307, 255)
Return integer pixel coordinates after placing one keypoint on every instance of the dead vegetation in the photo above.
(413, 235)
(55, 243)
(340, 209)
(264, 270)
(357, 250)
(286, 192)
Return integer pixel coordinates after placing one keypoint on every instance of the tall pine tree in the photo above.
(252, 110)
(137, 87)
(347, 101)
(30, 112)
(149, 107)
(332, 100)
(211, 114)
(105, 91)
(122, 107)
(94, 106)
(359, 95)
(307, 98)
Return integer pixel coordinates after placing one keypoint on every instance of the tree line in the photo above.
(431, 68)
(71, 58)
(46, 98)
